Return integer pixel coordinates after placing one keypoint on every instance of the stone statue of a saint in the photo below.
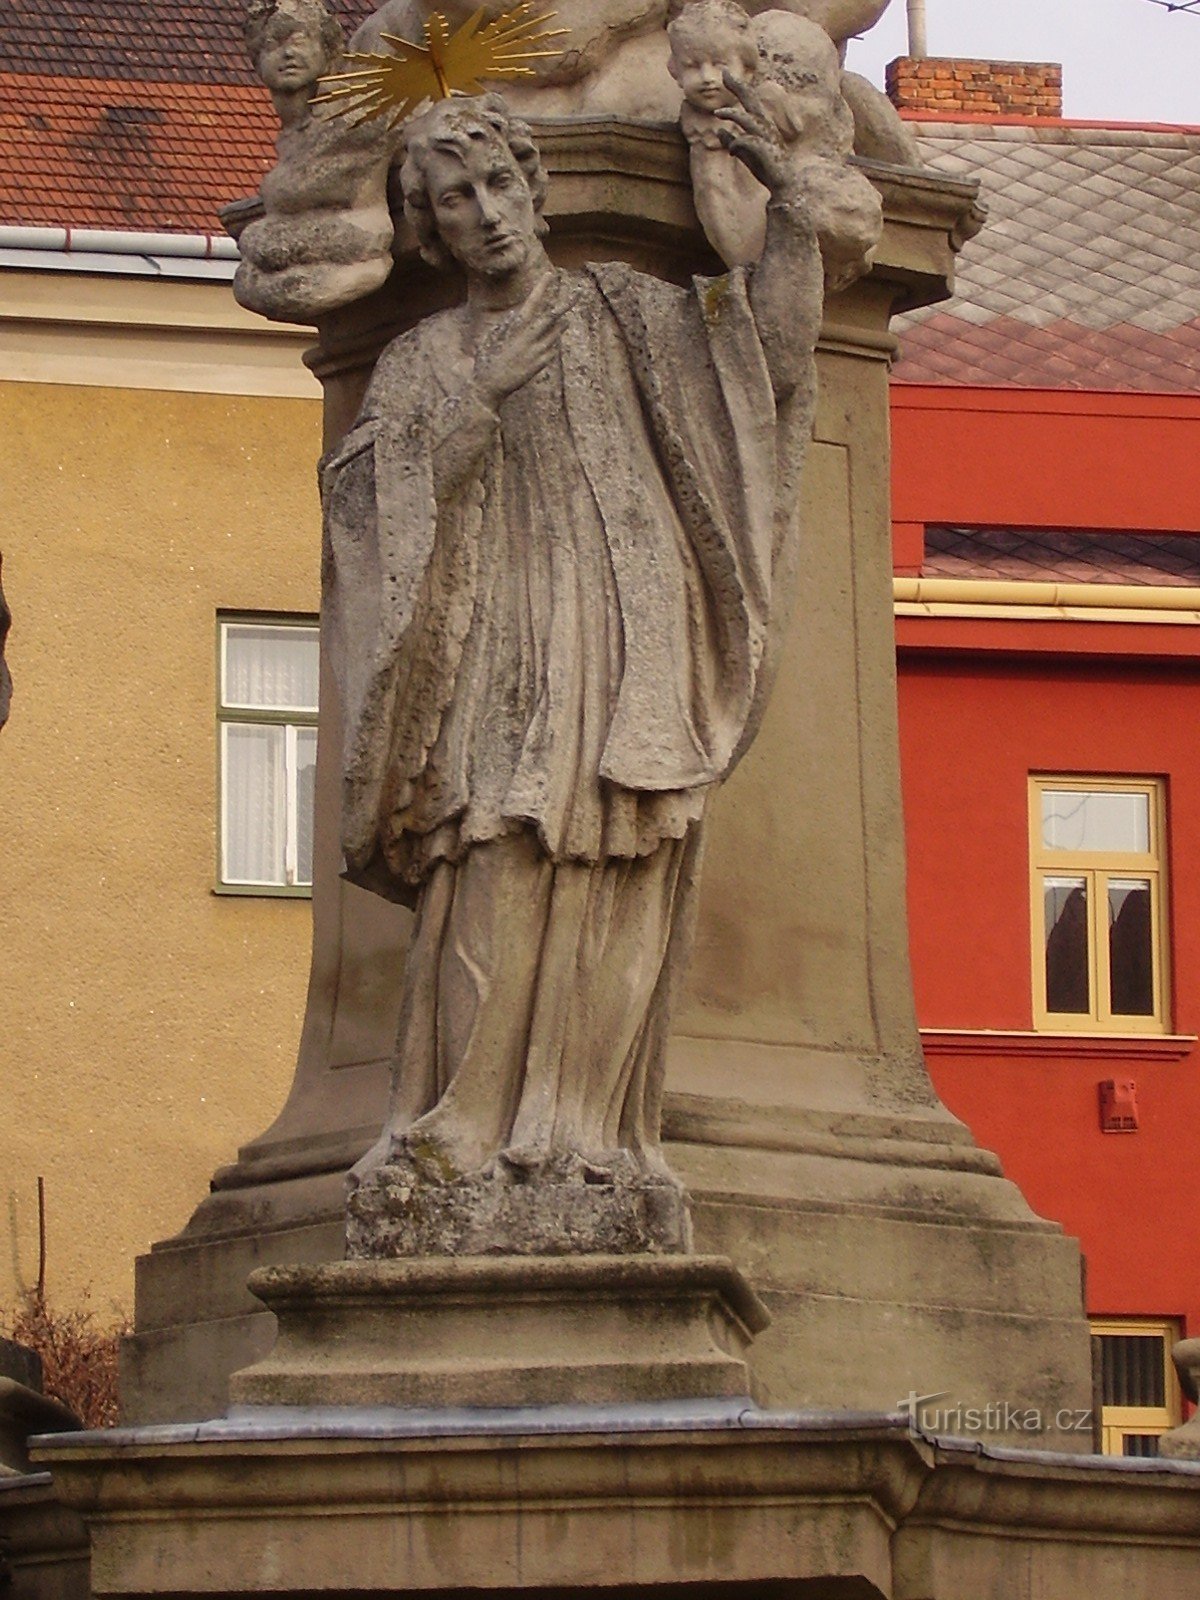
(560, 543)
(5, 675)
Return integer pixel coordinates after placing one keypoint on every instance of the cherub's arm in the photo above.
(787, 285)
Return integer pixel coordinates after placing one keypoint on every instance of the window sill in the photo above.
(264, 891)
(1094, 1046)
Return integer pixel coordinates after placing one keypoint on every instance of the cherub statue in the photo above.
(292, 43)
(794, 67)
(325, 236)
(710, 39)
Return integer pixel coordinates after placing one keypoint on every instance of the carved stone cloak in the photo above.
(659, 426)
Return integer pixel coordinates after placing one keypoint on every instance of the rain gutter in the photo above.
(1010, 599)
(111, 250)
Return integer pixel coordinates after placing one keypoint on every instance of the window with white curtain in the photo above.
(267, 715)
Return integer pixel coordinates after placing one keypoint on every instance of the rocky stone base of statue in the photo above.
(396, 1211)
(504, 1331)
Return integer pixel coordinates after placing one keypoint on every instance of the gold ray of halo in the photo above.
(394, 85)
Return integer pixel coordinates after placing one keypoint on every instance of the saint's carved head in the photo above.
(474, 185)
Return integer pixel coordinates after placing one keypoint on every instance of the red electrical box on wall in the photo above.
(1118, 1106)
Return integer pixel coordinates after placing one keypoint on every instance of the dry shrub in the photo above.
(79, 1357)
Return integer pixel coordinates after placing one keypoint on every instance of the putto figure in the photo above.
(795, 69)
(325, 237)
(292, 44)
(560, 541)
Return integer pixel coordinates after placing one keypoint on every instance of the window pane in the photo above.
(270, 668)
(1139, 1444)
(1075, 820)
(255, 819)
(1067, 964)
(1133, 1369)
(1130, 946)
(306, 785)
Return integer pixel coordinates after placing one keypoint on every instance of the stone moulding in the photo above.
(374, 1504)
(504, 1331)
(626, 182)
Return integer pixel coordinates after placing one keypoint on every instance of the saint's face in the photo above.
(291, 56)
(482, 206)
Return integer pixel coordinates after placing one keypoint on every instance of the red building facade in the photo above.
(1046, 472)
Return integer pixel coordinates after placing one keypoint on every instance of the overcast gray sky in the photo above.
(1123, 60)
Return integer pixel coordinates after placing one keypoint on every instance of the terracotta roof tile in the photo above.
(1062, 556)
(122, 153)
(185, 41)
(1085, 276)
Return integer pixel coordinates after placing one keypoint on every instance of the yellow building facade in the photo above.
(157, 450)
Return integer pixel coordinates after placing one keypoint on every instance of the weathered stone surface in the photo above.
(20, 1363)
(792, 78)
(1183, 1443)
(398, 1210)
(799, 1112)
(880, 133)
(25, 1411)
(43, 1545)
(475, 1332)
(692, 1502)
(614, 60)
(324, 239)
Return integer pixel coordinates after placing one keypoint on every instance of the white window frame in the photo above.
(291, 720)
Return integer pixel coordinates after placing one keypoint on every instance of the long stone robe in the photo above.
(551, 629)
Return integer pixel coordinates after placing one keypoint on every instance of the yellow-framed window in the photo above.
(1098, 896)
(1139, 1389)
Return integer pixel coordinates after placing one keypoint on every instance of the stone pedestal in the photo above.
(892, 1252)
(24, 1411)
(43, 1545)
(504, 1331)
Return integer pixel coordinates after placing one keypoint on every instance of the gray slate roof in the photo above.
(1065, 555)
(1087, 272)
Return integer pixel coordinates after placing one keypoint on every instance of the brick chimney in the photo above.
(986, 88)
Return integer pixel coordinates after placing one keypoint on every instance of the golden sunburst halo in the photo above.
(395, 85)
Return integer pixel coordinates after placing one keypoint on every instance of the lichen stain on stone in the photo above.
(427, 1153)
(715, 299)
